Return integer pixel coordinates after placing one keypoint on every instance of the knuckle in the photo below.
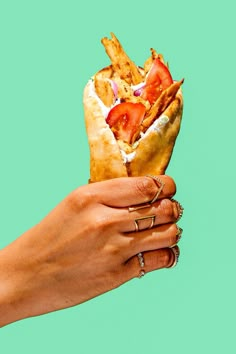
(113, 250)
(131, 243)
(79, 199)
(72, 200)
(146, 188)
(102, 222)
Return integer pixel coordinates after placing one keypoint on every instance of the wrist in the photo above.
(7, 285)
(18, 288)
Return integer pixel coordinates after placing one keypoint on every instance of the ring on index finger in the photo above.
(176, 252)
(160, 186)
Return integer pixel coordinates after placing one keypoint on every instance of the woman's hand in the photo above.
(89, 245)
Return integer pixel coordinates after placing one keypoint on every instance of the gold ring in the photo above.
(138, 207)
(136, 221)
(160, 186)
(176, 252)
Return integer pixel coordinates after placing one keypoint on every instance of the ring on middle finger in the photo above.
(137, 222)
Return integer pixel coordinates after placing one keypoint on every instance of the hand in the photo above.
(88, 245)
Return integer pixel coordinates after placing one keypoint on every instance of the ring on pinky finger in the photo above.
(142, 265)
(176, 253)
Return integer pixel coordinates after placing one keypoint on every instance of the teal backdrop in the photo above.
(49, 49)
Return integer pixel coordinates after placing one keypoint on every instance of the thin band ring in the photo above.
(160, 186)
(136, 221)
(142, 206)
(176, 253)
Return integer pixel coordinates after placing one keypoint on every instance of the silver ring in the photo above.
(141, 259)
(160, 186)
(141, 273)
(142, 264)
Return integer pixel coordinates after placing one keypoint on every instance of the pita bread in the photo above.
(151, 153)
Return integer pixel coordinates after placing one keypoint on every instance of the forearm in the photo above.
(30, 274)
(10, 289)
(25, 285)
(15, 289)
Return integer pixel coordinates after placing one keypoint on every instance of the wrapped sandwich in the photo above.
(132, 115)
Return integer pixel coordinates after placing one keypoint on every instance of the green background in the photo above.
(49, 49)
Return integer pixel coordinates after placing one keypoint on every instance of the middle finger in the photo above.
(161, 212)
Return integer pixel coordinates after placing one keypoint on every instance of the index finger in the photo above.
(127, 191)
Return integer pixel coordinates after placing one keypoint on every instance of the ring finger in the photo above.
(153, 260)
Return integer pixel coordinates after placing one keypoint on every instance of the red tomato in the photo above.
(158, 79)
(125, 120)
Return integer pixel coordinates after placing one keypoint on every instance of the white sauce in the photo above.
(157, 125)
(127, 157)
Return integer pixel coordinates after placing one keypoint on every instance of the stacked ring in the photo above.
(142, 264)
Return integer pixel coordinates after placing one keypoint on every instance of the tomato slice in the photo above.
(157, 80)
(125, 120)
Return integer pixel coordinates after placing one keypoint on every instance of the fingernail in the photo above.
(179, 233)
(180, 209)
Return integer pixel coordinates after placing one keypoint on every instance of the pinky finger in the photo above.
(152, 260)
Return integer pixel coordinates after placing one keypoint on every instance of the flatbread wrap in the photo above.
(132, 114)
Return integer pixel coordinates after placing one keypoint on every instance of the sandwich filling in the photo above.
(133, 99)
